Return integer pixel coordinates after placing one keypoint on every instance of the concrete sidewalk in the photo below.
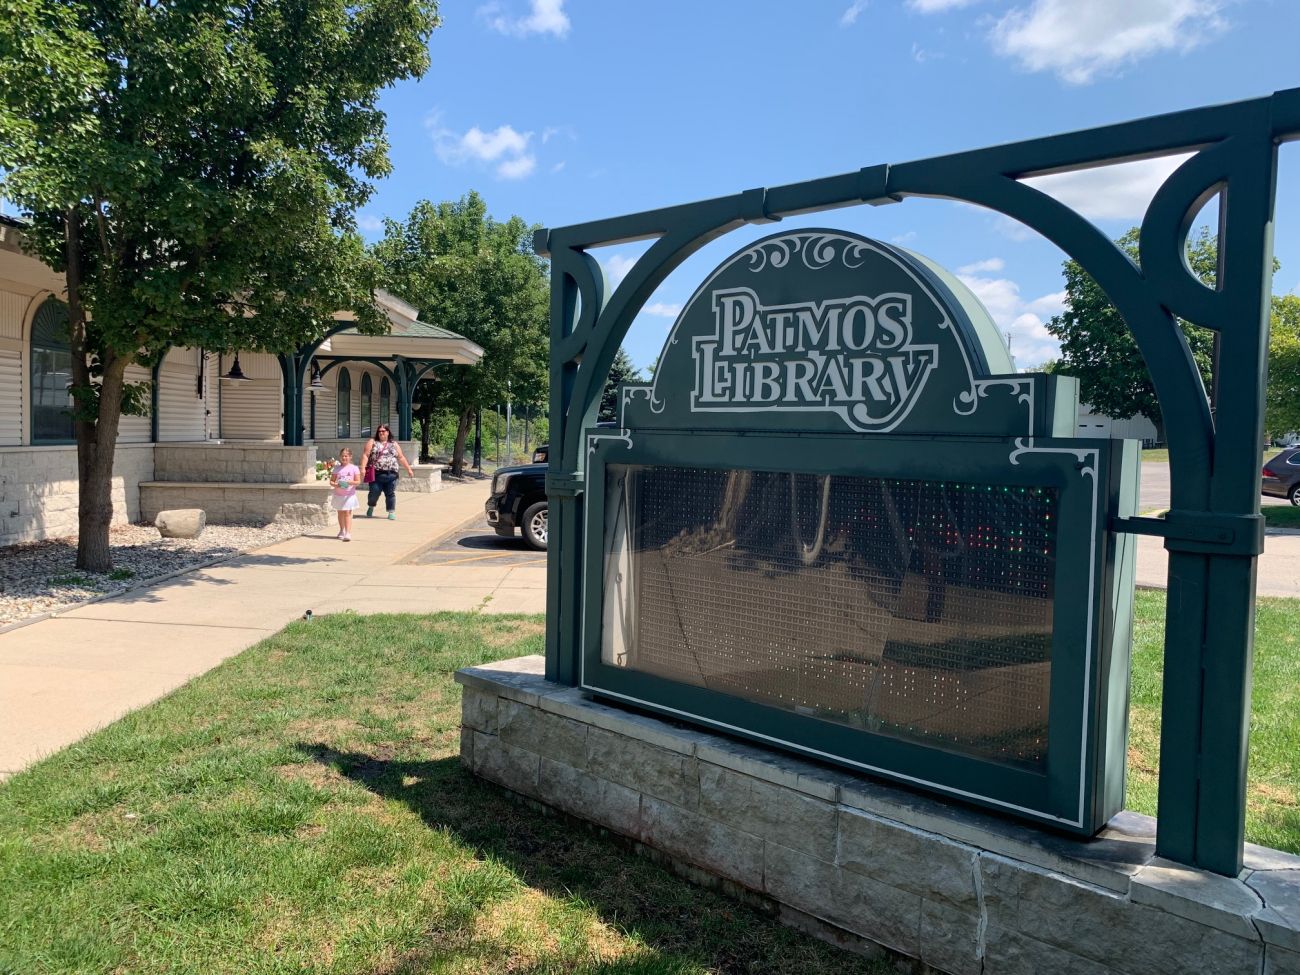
(1278, 573)
(66, 676)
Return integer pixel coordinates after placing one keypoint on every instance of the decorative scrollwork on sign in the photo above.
(1022, 389)
(631, 392)
(817, 251)
(1087, 456)
(625, 436)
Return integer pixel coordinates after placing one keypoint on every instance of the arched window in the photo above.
(345, 403)
(51, 375)
(367, 417)
(385, 401)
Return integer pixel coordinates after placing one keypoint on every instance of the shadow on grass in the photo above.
(684, 926)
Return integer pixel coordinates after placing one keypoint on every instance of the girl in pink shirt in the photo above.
(344, 479)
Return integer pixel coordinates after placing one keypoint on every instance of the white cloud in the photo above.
(517, 168)
(1119, 192)
(981, 267)
(905, 238)
(1031, 343)
(937, 6)
(370, 223)
(543, 17)
(558, 166)
(850, 16)
(489, 146)
(662, 309)
(508, 148)
(920, 54)
(616, 268)
(1079, 41)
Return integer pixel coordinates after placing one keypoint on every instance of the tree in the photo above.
(1283, 395)
(193, 170)
(480, 277)
(621, 371)
(1097, 347)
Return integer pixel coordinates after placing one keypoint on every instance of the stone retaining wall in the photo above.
(245, 463)
(958, 889)
(231, 503)
(38, 489)
(427, 479)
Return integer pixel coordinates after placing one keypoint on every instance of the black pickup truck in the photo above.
(518, 500)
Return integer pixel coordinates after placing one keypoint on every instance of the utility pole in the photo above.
(478, 439)
(510, 443)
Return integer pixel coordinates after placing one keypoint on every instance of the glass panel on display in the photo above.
(916, 609)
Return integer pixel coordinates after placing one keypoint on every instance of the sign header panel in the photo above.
(826, 331)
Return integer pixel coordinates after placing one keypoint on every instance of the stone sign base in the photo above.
(848, 858)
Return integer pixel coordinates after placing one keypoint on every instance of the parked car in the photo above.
(518, 500)
(1282, 476)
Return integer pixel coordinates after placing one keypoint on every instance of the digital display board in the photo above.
(916, 609)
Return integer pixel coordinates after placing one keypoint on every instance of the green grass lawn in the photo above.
(1275, 515)
(1273, 793)
(1280, 516)
(301, 809)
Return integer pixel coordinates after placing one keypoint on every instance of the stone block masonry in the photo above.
(853, 860)
(38, 489)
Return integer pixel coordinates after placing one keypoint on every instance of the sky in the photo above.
(564, 111)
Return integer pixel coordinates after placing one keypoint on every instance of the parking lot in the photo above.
(475, 545)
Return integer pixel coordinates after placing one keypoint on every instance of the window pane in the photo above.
(916, 609)
(51, 402)
(366, 418)
(345, 404)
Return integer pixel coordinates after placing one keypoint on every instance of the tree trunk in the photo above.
(96, 446)
(97, 434)
(426, 455)
(462, 433)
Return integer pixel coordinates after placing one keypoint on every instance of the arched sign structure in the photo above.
(838, 522)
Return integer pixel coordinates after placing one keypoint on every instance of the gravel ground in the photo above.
(41, 577)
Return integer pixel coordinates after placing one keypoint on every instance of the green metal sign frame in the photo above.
(1213, 532)
(1086, 730)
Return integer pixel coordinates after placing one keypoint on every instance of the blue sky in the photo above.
(563, 111)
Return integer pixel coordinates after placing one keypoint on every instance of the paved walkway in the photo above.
(66, 676)
(1278, 573)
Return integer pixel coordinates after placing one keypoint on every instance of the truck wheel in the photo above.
(534, 525)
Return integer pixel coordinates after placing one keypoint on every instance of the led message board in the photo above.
(839, 522)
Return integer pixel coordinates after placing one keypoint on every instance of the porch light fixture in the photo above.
(315, 378)
(236, 375)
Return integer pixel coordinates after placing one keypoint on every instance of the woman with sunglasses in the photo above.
(384, 454)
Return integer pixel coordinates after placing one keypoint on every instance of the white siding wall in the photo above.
(180, 410)
(252, 410)
(11, 397)
(134, 429)
(13, 309)
(1092, 424)
(326, 410)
